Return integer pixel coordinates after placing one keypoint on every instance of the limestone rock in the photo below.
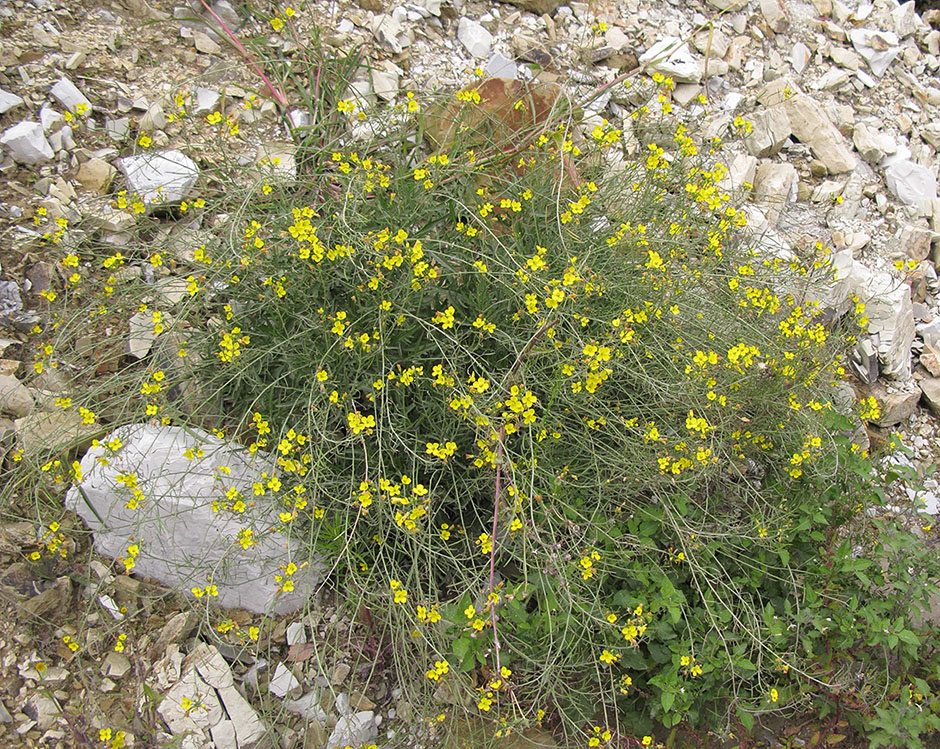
(774, 186)
(8, 101)
(911, 183)
(474, 37)
(184, 542)
(52, 432)
(389, 31)
(771, 128)
(205, 44)
(96, 175)
(890, 311)
(385, 76)
(161, 177)
(671, 56)
(67, 94)
(353, 730)
(222, 712)
(810, 125)
(896, 406)
(15, 398)
(930, 387)
(27, 143)
(871, 144)
(776, 15)
(879, 48)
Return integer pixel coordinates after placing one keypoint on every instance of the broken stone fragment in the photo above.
(184, 541)
(96, 175)
(8, 101)
(770, 130)
(474, 37)
(671, 56)
(810, 125)
(27, 143)
(222, 716)
(161, 177)
(67, 94)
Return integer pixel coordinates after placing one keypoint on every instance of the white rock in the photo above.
(810, 125)
(27, 143)
(389, 31)
(50, 119)
(153, 119)
(67, 94)
(141, 336)
(62, 140)
(296, 633)
(474, 37)
(775, 13)
(872, 145)
(891, 321)
(161, 177)
(743, 169)
(8, 101)
(911, 183)
(385, 77)
(905, 19)
(207, 100)
(220, 711)
(879, 48)
(800, 57)
(184, 543)
(308, 706)
(499, 66)
(283, 681)
(671, 56)
(15, 398)
(616, 39)
(353, 730)
(771, 128)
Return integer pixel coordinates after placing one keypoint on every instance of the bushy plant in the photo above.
(563, 431)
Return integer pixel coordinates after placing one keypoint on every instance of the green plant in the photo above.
(563, 433)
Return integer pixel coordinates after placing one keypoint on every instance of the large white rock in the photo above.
(771, 128)
(8, 101)
(890, 312)
(183, 542)
(911, 183)
(160, 177)
(353, 730)
(27, 143)
(68, 95)
(774, 187)
(671, 56)
(472, 35)
(879, 48)
(812, 126)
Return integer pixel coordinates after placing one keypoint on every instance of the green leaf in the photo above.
(746, 718)
(667, 699)
(909, 637)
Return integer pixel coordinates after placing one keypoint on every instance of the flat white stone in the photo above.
(27, 143)
(67, 94)
(160, 177)
(8, 101)
(183, 542)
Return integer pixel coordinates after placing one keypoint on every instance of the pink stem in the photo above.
(281, 99)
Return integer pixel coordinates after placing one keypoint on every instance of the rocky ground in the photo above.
(842, 101)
